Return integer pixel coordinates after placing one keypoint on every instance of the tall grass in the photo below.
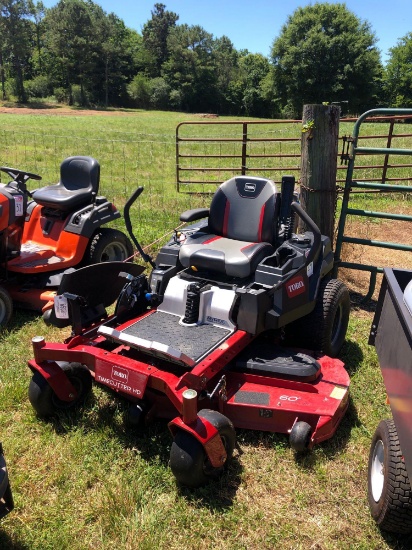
(86, 481)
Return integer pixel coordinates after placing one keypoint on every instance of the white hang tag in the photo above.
(61, 307)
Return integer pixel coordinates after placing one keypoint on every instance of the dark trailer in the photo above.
(390, 459)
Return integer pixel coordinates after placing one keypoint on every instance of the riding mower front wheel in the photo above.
(188, 460)
(45, 401)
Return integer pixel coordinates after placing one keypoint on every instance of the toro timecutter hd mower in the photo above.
(201, 341)
(59, 228)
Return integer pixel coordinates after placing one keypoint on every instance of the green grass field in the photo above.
(85, 481)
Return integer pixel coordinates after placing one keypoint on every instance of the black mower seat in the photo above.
(79, 182)
(241, 230)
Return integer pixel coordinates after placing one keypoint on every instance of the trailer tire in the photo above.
(6, 307)
(108, 245)
(46, 403)
(188, 460)
(299, 437)
(389, 489)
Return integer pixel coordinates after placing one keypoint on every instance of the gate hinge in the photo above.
(345, 155)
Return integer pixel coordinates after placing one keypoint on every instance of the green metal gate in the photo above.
(352, 153)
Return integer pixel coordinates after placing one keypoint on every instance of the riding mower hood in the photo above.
(216, 337)
(51, 229)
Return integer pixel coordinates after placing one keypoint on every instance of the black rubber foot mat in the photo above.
(193, 341)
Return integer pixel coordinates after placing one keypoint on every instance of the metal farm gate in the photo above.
(384, 182)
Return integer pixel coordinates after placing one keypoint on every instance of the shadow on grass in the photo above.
(397, 542)
(8, 543)
(219, 493)
(17, 321)
(358, 302)
(152, 443)
(352, 355)
(335, 445)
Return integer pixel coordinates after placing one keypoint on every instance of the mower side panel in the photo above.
(47, 247)
(120, 379)
(85, 222)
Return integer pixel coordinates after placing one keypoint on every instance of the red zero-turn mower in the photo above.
(201, 341)
(45, 232)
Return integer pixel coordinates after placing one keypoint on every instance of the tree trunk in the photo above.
(2, 77)
(319, 149)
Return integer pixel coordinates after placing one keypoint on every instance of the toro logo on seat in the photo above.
(295, 286)
(250, 187)
(118, 373)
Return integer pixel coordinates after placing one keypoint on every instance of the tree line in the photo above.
(77, 53)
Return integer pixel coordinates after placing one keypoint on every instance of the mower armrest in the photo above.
(194, 214)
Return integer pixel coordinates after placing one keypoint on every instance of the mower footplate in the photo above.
(279, 362)
(162, 335)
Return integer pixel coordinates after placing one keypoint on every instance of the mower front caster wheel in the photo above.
(46, 403)
(299, 437)
(389, 489)
(188, 460)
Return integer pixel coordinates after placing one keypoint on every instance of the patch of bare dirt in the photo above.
(61, 110)
(388, 231)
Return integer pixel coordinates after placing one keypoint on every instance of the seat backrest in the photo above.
(80, 173)
(245, 208)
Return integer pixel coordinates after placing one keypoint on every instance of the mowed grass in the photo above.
(86, 481)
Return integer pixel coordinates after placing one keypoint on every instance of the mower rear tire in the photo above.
(6, 307)
(324, 329)
(44, 400)
(299, 437)
(108, 245)
(389, 488)
(188, 460)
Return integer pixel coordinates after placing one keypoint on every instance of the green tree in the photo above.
(68, 42)
(325, 53)
(225, 59)
(15, 43)
(398, 74)
(155, 34)
(190, 69)
(254, 69)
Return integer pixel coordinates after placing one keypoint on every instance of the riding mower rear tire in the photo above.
(324, 329)
(6, 307)
(108, 245)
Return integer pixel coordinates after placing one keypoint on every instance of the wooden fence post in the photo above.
(319, 149)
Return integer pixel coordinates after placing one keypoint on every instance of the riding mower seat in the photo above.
(79, 183)
(241, 230)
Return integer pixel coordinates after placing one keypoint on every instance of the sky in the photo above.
(254, 24)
